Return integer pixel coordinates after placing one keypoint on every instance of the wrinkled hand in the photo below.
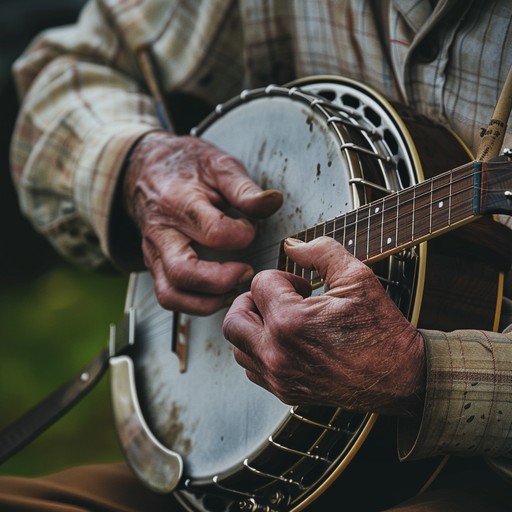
(176, 189)
(350, 347)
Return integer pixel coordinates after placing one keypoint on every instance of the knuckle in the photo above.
(283, 326)
(164, 296)
(213, 232)
(277, 366)
(263, 279)
(224, 162)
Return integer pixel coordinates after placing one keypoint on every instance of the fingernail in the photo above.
(271, 192)
(294, 242)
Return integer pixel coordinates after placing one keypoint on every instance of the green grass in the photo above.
(50, 328)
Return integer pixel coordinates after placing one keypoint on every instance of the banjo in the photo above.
(354, 167)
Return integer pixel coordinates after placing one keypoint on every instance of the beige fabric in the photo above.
(85, 102)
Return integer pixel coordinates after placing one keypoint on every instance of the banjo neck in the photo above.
(403, 219)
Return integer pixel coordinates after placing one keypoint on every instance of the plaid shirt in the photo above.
(85, 106)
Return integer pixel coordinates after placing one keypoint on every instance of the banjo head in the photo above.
(193, 396)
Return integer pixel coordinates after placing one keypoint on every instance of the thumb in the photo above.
(241, 191)
(335, 265)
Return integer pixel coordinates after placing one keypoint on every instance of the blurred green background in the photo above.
(51, 327)
(54, 318)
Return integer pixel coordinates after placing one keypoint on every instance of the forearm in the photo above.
(82, 110)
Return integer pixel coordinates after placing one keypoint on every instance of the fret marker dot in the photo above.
(350, 242)
(377, 209)
(389, 240)
(440, 204)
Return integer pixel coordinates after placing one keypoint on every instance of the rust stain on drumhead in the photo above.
(174, 432)
(264, 181)
(309, 121)
(208, 344)
(211, 346)
(261, 152)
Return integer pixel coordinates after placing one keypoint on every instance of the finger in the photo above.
(242, 192)
(256, 378)
(243, 323)
(329, 258)
(183, 270)
(246, 361)
(185, 302)
(272, 289)
(207, 225)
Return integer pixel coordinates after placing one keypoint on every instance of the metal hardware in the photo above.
(347, 122)
(122, 335)
(180, 340)
(229, 490)
(271, 476)
(287, 449)
(360, 149)
(155, 464)
(370, 184)
(251, 505)
(405, 254)
(303, 419)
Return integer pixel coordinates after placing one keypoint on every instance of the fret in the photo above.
(373, 227)
(450, 208)
(421, 218)
(388, 239)
(430, 207)
(307, 274)
(340, 229)
(329, 228)
(290, 265)
(315, 277)
(405, 217)
(462, 195)
(361, 233)
(349, 233)
(441, 203)
(309, 234)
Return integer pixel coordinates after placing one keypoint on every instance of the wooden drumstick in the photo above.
(493, 136)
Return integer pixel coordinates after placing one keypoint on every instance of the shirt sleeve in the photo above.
(468, 406)
(83, 108)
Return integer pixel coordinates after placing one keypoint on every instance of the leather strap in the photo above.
(35, 421)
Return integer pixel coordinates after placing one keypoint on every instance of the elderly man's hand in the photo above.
(350, 347)
(177, 189)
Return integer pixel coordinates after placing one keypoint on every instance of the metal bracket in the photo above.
(122, 335)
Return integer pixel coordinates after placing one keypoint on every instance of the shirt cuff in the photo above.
(468, 406)
(96, 182)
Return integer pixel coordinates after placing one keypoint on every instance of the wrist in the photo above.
(411, 394)
(142, 155)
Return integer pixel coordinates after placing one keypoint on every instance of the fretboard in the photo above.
(399, 220)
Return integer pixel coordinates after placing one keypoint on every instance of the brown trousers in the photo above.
(113, 488)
